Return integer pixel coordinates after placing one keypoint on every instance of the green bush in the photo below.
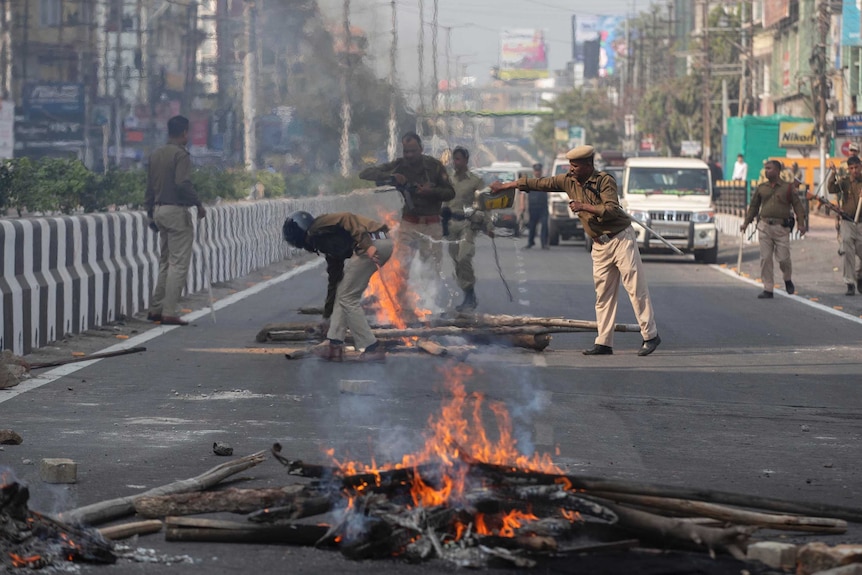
(59, 185)
(274, 185)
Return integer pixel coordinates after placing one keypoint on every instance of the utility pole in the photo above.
(821, 81)
(421, 67)
(118, 87)
(249, 87)
(345, 99)
(707, 85)
(391, 149)
(5, 49)
(434, 79)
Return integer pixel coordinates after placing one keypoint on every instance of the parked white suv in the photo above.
(562, 222)
(674, 197)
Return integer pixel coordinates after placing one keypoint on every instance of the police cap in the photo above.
(854, 147)
(581, 153)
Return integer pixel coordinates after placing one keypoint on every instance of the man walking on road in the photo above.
(537, 206)
(462, 235)
(849, 190)
(740, 169)
(593, 196)
(771, 203)
(170, 194)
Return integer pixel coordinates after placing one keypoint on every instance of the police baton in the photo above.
(664, 241)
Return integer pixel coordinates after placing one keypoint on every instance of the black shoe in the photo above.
(788, 285)
(765, 295)
(851, 289)
(859, 285)
(599, 349)
(470, 302)
(649, 346)
(173, 320)
(154, 317)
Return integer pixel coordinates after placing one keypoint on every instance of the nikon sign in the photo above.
(796, 135)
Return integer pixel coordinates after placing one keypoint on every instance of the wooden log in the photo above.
(310, 310)
(281, 534)
(126, 530)
(724, 513)
(311, 329)
(104, 355)
(122, 506)
(228, 500)
(429, 346)
(306, 507)
(465, 320)
(425, 332)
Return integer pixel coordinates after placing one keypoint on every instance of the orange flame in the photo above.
(20, 561)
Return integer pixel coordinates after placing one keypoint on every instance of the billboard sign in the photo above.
(523, 54)
(54, 102)
(597, 44)
(851, 18)
(7, 129)
(849, 126)
(796, 135)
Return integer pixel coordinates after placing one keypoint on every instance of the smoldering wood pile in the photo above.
(435, 335)
(32, 540)
(504, 513)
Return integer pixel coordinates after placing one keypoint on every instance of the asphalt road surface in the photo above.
(744, 395)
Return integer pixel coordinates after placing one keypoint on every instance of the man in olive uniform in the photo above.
(340, 237)
(462, 241)
(771, 203)
(848, 191)
(593, 196)
(170, 194)
(426, 186)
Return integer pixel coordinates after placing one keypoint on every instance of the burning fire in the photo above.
(398, 304)
(457, 435)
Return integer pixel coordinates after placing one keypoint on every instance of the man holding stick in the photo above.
(593, 196)
(848, 191)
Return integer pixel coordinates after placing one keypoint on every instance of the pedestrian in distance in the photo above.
(425, 185)
(462, 226)
(593, 197)
(537, 206)
(170, 193)
(849, 190)
(341, 237)
(771, 204)
(740, 169)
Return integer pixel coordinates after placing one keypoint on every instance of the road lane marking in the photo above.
(64, 370)
(796, 298)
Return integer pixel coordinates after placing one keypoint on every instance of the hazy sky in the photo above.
(476, 27)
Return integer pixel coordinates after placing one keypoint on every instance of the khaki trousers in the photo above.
(176, 236)
(462, 249)
(347, 313)
(413, 238)
(620, 261)
(851, 240)
(774, 241)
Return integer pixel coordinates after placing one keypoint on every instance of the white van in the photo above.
(562, 222)
(674, 197)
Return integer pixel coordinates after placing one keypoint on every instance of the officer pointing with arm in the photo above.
(593, 196)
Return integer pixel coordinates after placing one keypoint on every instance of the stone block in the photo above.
(772, 553)
(358, 386)
(58, 470)
(816, 557)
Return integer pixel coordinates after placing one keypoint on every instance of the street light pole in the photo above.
(707, 80)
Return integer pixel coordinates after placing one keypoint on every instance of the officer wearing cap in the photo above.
(593, 196)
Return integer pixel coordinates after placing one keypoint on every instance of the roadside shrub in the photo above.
(274, 185)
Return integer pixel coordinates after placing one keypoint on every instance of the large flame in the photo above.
(455, 435)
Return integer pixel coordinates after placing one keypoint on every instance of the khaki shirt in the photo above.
(774, 201)
(466, 185)
(169, 178)
(337, 236)
(600, 191)
(848, 193)
(428, 171)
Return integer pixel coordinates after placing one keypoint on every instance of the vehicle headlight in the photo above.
(640, 215)
(703, 217)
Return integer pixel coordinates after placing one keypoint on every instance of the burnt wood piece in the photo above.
(282, 534)
(311, 330)
(122, 506)
(302, 507)
(126, 530)
(230, 500)
(516, 476)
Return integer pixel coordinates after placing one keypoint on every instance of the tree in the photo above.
(590, 109)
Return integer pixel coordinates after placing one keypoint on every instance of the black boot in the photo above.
(469, 303)
(851, 289)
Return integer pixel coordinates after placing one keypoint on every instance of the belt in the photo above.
(608, 237)
(421, 219)
(381, 235)
(772, 221)
(459, 217)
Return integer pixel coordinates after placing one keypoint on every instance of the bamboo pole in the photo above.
(126, 530)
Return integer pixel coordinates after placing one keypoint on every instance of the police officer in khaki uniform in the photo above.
(771, 203)
(426, 186)
(593, 196)
(341, 237)
(462, 229)
(849, 190)
(170, 194)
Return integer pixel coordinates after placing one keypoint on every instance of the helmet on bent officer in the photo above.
(295, 228)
